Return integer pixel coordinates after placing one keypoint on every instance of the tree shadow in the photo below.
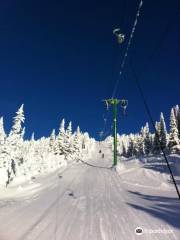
(177, 181)
(164, 208)
(95, 166)
(162, 167)
(159, 166)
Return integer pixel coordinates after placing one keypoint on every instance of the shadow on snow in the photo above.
(164, 208)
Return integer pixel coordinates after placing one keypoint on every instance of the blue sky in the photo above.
(60, 59)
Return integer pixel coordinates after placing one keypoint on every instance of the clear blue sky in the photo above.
(60, 59)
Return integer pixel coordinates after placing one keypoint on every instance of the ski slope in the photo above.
(83, 202)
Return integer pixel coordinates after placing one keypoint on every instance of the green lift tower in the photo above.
(114, 102)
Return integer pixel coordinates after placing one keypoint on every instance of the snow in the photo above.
(83, 202)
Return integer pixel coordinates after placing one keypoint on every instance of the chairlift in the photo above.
(120, 36)
(124, 104)
(107, 105)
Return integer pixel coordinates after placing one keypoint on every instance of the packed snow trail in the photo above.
(93, 203)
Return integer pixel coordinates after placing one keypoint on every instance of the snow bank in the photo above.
(149, 172)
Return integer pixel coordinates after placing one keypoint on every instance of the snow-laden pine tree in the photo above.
(77, 144)
(32, 137)
(52, 142)
(130, 151)
(30, 156)
(85, 140)
(42, 150)
(59, 146)
(2, 143)
(141, 141)
(178, 122)
(2, 132)
(68, 142)
(147, 140)
(69, 130)
(176, 110)
(177, 116)
(156, 140)
(122, 144)
(174, 142)
(163, 133)
(14, 142)
(136, 144)
(88, 145)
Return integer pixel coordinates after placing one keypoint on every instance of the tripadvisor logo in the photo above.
(160, 230)
(139, 231)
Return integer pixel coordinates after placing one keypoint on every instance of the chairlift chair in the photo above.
(107, 104)
(120, 36)
(124, 104)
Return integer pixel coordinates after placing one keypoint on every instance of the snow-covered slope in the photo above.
(90, 200)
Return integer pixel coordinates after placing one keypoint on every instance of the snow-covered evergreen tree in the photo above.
(77, 144)
(32, 137)
(147, 140)
(69, 130)
(2, 143)
(136, 145)
(52, 142)
(141, 141)
(163, 133)
(17, 129)
(130, 151)
(174, 141)
(14, 142)
(178, 123)
(2, 132)
(85, 140)
(176, 110)
(177, 116)
(156, 140)
(59, 147)
(68, 142)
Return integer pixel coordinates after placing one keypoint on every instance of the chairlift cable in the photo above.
(137, 82)
(120, 37)
(128, 46)
(117, 33)
(106, 113)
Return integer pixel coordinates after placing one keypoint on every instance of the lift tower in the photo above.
(114, 103)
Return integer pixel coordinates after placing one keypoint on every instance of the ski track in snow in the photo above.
(90, 203)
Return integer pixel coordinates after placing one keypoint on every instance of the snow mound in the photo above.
(149, 172)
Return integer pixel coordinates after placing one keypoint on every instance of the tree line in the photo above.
(145, 142)
(20, 157)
